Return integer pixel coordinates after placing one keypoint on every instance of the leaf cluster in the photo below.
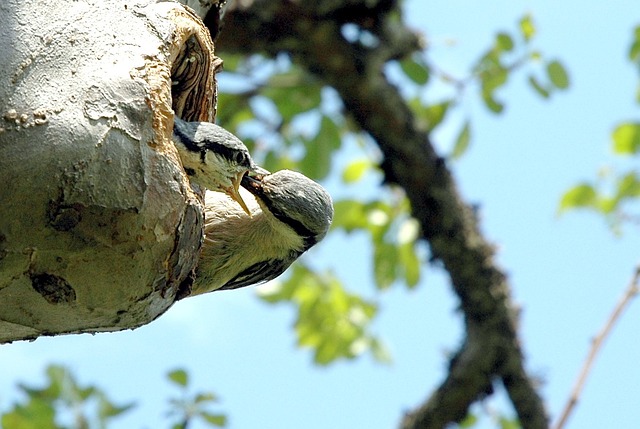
(62, 404)
(508, 54)
(289, 120)
(613, 194)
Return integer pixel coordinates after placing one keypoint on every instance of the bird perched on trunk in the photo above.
(213, 158)
(289, 214)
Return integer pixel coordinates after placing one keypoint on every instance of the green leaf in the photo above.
(432, 115)
(214, 419)
(410, 263)
(628, 186)
(527, 27)
(582, 195)
(179, 377)
(538, 87)
(492, 104)
(462, 141)
(558, 75)
(293, 93)
(36, 414)
(331, 321)
(634, 50)
(349, 214)
(469, 421)
(355, 170)
(205, 397)
(380, 352)
(385, 262)
(233, 109)
(504, 42)
(106, 409)
(509, 423)
(417, 71)
(317, 161)
(626, 138)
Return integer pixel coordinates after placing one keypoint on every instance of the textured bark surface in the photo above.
(98, 224)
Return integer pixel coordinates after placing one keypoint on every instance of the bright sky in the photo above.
(567, 273)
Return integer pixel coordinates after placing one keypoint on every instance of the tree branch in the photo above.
(491, 349)
(630, 293)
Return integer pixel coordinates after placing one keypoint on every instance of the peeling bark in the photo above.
(98, 224)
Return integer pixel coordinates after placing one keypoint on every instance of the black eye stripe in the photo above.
(228, 153)
(308, 236)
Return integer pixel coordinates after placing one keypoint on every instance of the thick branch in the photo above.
(491, 350)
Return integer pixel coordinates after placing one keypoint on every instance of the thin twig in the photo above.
(631, 291)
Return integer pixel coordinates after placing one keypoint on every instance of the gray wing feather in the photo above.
(259, 273)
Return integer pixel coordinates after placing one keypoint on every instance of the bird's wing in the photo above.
(259, 273)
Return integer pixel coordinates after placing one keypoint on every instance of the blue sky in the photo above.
(567, 272)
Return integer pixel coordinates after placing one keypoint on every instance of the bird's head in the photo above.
(213, 157)
(294, 200)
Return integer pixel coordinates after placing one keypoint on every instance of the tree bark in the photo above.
(98, 224)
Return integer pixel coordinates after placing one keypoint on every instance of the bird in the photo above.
(289, 214)
(213, 158)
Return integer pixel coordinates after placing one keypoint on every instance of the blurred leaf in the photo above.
(36, 414)
(331, 321)
(628, 186)
(626, 138)
(205, 397)
(293, 92)
(179, 377)
(469, 421)
(107, 409)
(538, 87)
(432, 115)
(349, 215)
(62, 396)
(417, 71)
(214, 419)
(527, 27)
(509, 423)
(410, 263)
(233, 110)
(634, 49)
(606, 205)
(381, 353)
(583, 195)
(558, 75)
(504, 42)
(492, 104)
(385, 263)
(462, 141)
(492, 76)
(355, 170)
(317, 162)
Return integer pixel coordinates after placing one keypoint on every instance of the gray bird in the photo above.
(213, 158)
(289, 214)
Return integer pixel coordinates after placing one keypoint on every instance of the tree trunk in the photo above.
(98, 224)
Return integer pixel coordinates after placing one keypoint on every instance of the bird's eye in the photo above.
(240, 158)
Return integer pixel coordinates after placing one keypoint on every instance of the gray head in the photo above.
(199, 137)
(213, 157)
(296, 201)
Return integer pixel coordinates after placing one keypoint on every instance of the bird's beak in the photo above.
(253, 185)
(234, 193)
(258, 171)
